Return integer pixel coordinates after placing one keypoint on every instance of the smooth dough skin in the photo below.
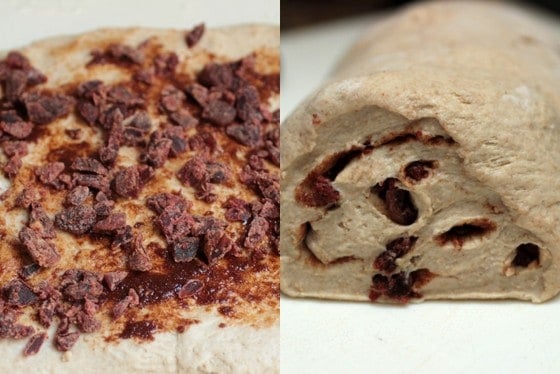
(427, 166)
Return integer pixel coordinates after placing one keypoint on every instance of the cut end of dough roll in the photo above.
(426, 167)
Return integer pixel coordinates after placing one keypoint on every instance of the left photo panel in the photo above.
(139, 186)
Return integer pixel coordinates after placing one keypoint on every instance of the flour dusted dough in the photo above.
(469, 89)
(215, 344)
(204, 348)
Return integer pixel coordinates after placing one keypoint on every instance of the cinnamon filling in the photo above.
(398, 203)
(459, 234)
(526, 254)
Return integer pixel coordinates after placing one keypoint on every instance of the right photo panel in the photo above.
(420, 186)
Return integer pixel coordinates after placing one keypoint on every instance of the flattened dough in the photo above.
(215, 344)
